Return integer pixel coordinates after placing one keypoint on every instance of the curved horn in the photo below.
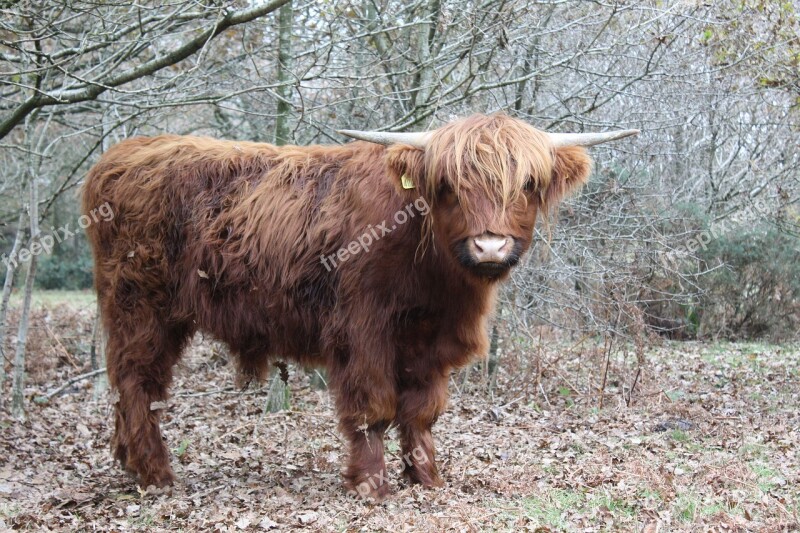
(416, 139)
(588, 139)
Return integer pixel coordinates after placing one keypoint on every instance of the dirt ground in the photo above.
(707, 441)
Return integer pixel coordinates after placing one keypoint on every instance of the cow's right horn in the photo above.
(416, 139)
(588, 139)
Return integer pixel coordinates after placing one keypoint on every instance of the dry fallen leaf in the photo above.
(652, 527)
(308, 518)
(564, 466)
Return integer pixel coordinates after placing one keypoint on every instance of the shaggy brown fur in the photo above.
(227, 238)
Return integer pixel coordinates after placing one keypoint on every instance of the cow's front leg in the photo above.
(420, 402)
(366, 473)
(365, 401)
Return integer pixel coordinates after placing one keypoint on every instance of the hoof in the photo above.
(120, 453)
(152, 490)
(159, 480)
(429, 480)
(370, 492)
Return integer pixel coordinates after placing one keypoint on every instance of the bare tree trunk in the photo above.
(17, 395)
(278, 394)
(284, 74)
(530, 64)
(493, 358)
(277, 397)
(384, 48)
(97, 355)
(424, 82)
(97, 352)
(11, 269)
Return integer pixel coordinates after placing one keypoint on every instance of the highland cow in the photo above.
(244, 241)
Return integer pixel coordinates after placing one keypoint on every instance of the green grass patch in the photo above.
(554, 508)
(146, 519)
(182, 447)
(675, 395)
(535, 406)
(765, 475)
(578, 448)
(83, 298)
(650, 494)
(680, 436)
(709, 510)
(615, 506)
(9, 510)
(548, 509)
(752, 450)
(687, 506)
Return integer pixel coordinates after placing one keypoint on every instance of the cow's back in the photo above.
(227, 235)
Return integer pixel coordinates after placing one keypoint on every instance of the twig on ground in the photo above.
(545, 395)
(633, 387)
(68, 356)
(605, 371)
(72, 381)
(231, 432)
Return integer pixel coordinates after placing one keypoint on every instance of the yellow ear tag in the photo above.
(406, 182)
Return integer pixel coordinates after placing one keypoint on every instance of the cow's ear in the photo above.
(406, 166)
(571, 169)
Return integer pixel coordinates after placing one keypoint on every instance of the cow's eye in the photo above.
(528, 185)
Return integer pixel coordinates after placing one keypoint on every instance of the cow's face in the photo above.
(486, 178)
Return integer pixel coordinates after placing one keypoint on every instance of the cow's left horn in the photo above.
(588, 139)
(416, 139)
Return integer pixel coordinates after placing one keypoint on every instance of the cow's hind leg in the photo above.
(252, 360)
(140, 354)
(420, 401)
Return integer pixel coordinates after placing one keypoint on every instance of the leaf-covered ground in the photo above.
(708, 440)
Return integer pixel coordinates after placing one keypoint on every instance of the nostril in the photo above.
(491, 247)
